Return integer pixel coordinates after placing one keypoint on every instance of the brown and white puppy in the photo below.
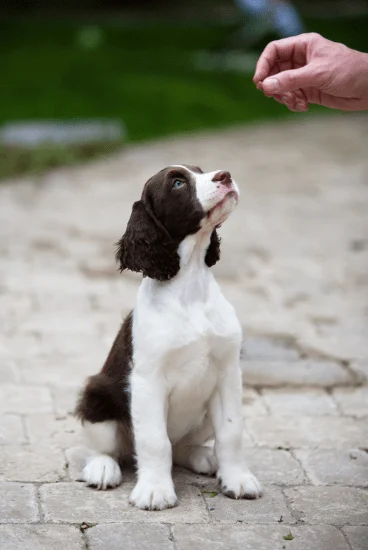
(172, 380)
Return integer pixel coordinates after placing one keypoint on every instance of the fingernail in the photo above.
(271, 84)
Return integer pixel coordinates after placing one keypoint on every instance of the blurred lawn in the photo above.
(142, 74)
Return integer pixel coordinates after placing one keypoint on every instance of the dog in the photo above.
(172, 380)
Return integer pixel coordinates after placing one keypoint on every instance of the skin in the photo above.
(309, 68)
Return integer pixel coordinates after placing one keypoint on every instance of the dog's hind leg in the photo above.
(103, 412)
(195, 452)
(102, 469)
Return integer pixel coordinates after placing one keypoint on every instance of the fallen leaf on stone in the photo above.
(288, 537)
(211, 494)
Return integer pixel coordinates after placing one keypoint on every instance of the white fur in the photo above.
(199, 458)
(102, 472)
(103, 436)
(186, 381)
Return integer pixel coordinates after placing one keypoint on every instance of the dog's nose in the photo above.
(223, 177)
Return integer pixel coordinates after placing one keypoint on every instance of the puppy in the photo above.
(172, 380)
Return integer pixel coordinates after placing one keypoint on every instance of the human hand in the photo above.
(311, 69)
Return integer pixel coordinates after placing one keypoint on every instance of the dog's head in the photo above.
(176, 202)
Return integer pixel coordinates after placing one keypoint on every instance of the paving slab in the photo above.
(261, 537)
(40, 537)
(275, 466)
(301, 401)
(11, 430)
(18, 503)
(350, 466)
(9, 374)
(31, 463)
(308, 431)
(357, 537)
(266, 349)
(75, 503)
(57, 430)
(65, 399)
(268, 509)
(335, 505)
(304, 372)
(253, 403)
(352, 401)
(130, 537)
(21, 399)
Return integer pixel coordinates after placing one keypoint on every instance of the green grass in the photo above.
(142, 74)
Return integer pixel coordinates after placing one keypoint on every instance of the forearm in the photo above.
(152, 445)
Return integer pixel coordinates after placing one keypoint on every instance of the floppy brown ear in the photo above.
(213, 251)
(146, 247)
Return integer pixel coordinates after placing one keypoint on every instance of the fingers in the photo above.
(292, 48)
(288, 81)
(294, 101)
(297, 101)
(294, 72)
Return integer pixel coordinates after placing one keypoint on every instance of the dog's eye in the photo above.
(177, 184)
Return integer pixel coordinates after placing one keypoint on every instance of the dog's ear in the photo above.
(146, 247)
(213, 251)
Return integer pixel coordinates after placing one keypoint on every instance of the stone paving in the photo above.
(295, 265)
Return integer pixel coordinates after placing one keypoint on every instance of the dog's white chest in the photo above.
(191, 374)
(183, 345)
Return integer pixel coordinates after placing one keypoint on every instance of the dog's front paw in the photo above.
(149, 496)
(102, 472)
(240, 484)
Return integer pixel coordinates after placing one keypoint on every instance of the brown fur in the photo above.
(106, 395)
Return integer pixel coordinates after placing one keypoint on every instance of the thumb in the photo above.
(288, 81)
